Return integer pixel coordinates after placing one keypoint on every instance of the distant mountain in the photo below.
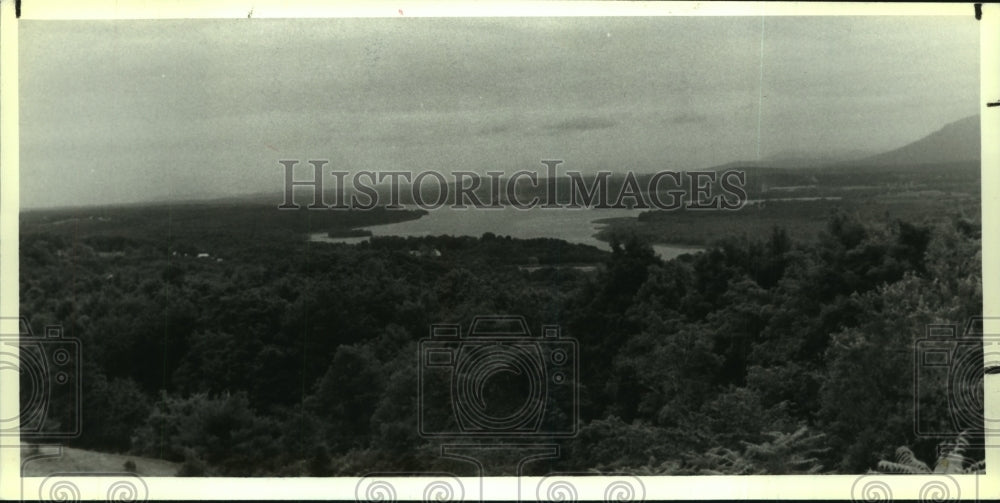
(956, 142)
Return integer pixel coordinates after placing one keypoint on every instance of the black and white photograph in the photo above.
(543, 246)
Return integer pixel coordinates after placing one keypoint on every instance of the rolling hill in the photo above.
(958, 141)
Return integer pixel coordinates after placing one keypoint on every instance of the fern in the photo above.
(906, 462)
(951, 461)
(785, 453)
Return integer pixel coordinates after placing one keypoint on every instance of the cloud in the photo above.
(689, 118)
(494, 129)
(584, 123)
(550, 127)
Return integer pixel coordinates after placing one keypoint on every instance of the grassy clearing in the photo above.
(82, 461)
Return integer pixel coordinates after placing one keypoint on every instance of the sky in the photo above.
(131, 111)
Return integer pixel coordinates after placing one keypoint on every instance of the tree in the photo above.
(113, 410)
(222, 431)
(347, 396)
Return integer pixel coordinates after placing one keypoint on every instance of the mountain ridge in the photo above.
(957, 141)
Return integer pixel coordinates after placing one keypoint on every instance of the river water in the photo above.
(571, 225)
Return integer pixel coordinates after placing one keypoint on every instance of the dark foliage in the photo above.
(293, 358)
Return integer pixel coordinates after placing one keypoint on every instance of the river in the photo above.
(571, 225)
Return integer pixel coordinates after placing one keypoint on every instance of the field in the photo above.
(83, 461)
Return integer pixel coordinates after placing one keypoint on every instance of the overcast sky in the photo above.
(123, 111)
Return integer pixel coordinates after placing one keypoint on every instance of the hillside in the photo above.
(955, 142)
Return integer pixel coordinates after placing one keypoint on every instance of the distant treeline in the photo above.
(847, 180)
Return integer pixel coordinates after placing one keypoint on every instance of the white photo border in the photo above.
(13, 486)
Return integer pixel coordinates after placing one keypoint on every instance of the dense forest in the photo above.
(260, 353)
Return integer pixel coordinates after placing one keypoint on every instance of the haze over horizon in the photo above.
(129, 111)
